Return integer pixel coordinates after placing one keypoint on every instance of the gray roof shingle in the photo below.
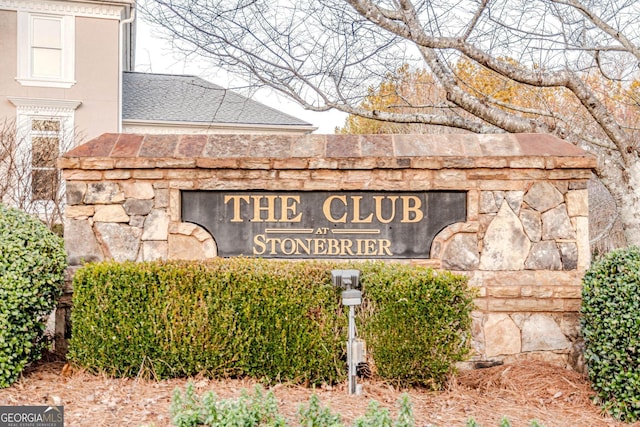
(185, 98)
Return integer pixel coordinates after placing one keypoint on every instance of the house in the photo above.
(165, 103)
(66, 76)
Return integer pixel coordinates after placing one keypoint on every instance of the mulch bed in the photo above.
(521, 392)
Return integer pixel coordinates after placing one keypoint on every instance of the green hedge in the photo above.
(416, 322)
(611, 330)
(272, 320)
(32, 264)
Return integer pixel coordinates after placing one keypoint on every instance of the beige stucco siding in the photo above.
(8, 62)
(96, 75)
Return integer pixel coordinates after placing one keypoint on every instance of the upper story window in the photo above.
(46, 50)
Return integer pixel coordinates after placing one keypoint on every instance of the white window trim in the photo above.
(28, 109)
(67, 79)
(90, 10)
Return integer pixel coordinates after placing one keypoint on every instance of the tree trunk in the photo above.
(623, 182)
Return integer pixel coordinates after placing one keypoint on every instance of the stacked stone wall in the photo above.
(524, 245)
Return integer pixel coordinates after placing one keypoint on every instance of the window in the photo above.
(46, 50)
(44, 130)
(45, 149)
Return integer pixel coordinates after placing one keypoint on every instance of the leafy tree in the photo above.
(325, 54)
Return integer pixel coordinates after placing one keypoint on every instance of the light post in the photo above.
(351, 297)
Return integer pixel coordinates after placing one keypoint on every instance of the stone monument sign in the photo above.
(509, 211)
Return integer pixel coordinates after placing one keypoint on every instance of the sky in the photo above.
(155, 55)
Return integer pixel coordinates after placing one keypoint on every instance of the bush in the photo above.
(271, 320)
(227, 318)
(416, 322)
(32, 264)
(261, 409)
(611, 330)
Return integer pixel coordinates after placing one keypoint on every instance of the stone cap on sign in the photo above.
(240, 151)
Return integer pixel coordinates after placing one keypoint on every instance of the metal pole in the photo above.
(352, 337)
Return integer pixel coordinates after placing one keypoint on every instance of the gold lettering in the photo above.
(235, 205)
(319, 247)
(269, 209)
(273, 242)
(333, 247)
(385, 247)
(292, 246)
(258, 240)
(289, 207)
(378, 209)
(370, 247)
(345, 247)
(326, 208)
(306, 247)
(411, 212)
(356, 211)
(329, 247)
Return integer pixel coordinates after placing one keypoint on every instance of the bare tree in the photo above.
(29, 179)
(325, 54)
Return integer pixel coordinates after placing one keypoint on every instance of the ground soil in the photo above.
(521, 392)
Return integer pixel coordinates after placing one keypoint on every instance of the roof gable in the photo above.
(190, 99)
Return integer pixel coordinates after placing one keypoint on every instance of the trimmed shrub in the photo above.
(32, 264)
(226, 318)
(416, 322)
(611, 330)
(271, 320)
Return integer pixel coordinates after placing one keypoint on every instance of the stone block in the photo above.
(138, 207)
(185, 247)
(505, 245)
(80, 242)
(567, 292)
(488, 202)
(103, 193)
(138, 190)
(148, 174)
(299, 163)
(569, 255)
(156, 226)
(501, 336)
(461, 252)
(544, 256)
(135, 163)
(556, 224)
(75, 192)
(525, 304)
(532, 224)
(96, 164)
(110, 213)
(161, 199)
(504, 291)
(153, 250)
(541, 332)
(577, 203)
(117, 174)
(582, 240)
(183, 184)
(121, 242)
(81, 175)
(543, 196)
(78, 211)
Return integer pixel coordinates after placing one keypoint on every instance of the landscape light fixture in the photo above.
(349, 280)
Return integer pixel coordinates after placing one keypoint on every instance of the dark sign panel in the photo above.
(324, 224)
